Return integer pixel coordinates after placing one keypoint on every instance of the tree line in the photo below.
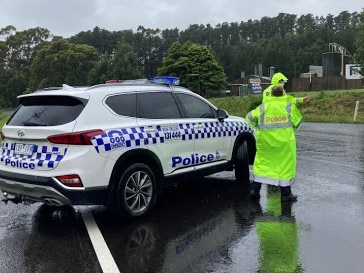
(205, 57)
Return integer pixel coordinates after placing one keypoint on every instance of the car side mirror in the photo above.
(221, 114)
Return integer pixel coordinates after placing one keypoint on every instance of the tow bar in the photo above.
(14, 199)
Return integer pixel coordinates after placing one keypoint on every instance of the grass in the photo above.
(325, 106)
(3, 119)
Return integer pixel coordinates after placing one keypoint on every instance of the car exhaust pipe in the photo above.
(23, 199)
(53, 202)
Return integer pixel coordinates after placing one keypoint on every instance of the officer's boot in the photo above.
(287, 195)
(255, 190)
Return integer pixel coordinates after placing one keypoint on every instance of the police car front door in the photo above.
(169, 136)
(211, 144)
(211, 148)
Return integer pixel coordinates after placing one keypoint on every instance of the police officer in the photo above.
(279, 79)
(275, 161)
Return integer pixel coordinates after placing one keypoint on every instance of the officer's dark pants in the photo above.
(255, 187)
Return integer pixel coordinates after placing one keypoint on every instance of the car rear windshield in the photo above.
(47, 111)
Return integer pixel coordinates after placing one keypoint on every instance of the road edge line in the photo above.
(102, 251)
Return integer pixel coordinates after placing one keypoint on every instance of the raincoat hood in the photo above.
(277, 77)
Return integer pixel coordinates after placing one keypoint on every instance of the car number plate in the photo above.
(24, 149)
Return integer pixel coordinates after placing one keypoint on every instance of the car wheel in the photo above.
(137, 191)
(242, 163)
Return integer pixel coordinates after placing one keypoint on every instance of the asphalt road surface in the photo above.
(210, 225)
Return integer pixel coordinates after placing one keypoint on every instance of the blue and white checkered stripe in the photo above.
(46, 157)
(126, 137)
(136, 136)
(225, 129)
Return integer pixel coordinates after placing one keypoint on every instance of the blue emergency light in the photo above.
(170, 80)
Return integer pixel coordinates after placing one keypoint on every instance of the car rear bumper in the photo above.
(29, 188)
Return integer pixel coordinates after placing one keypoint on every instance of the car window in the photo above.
(157, 105)
(196, 108)
(123, 104)
(46, 111)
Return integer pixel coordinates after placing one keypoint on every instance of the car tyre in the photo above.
(137, 191)
(242, 163)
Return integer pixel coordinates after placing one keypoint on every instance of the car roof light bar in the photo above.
(170, 80)
(167, 80)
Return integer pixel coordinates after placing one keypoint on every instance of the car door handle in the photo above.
(198, 126)
(150, 130)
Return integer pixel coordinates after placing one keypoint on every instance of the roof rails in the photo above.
(63, 87)
(49, 89)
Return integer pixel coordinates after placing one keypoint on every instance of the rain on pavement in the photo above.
(210, 225)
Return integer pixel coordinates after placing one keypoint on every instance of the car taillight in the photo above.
(76, 138)
(72, 180)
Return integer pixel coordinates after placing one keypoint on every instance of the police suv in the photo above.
(117, 144)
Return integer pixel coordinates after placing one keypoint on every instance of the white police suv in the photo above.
(116, 144)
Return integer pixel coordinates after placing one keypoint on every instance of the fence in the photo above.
(324, 83)
(302, 84)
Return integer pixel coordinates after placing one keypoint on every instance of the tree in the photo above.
(22, 45)
(101, 72)
(359, 54)
(148, 44)
(62, 62)
(4, 77)
(195, 66)
(124, 64)
(121, 65)
(16, 51)
(103, 40)
(287, 42)
(17, 85)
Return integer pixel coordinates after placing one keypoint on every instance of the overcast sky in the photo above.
(69, 17)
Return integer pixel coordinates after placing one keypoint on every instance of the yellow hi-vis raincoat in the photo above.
(274, 81)
(275, 160)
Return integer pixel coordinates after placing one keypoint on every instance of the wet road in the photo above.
(211, 226)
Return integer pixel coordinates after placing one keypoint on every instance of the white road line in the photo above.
(103, 254)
